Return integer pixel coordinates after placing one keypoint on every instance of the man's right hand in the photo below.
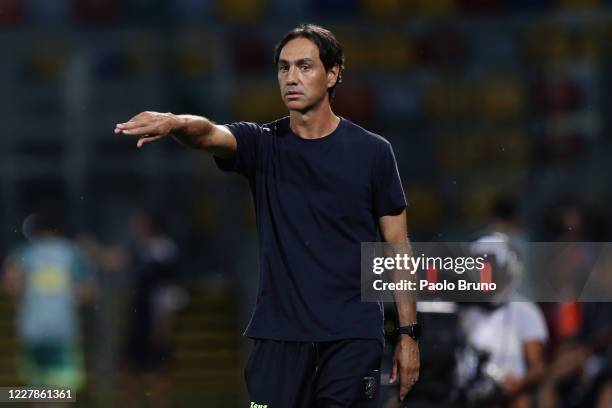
(149, 126)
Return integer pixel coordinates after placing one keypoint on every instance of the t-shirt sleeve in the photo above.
(248, 136)
(389, 195)
(532, 326)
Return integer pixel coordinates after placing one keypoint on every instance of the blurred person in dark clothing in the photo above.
(322, 185)
(567, 223)
(580, 359)
(580, 371)
(49, 277)
(154, 264)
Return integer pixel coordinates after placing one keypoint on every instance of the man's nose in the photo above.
(291, 78)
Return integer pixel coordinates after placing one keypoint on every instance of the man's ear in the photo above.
(332, 75)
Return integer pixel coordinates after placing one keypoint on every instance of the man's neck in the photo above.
(314, 124)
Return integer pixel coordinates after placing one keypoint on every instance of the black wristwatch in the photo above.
(413, 330)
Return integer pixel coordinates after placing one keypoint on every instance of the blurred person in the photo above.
(578, 367)
(505, 338)
(154, 263)
(580, 370)
(321, 186)
(49, 276)
(567, 223)
(505, 218)
(508, 340)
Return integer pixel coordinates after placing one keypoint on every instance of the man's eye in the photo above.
(282, 69)
(305, 67)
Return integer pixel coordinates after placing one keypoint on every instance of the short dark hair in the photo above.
(330, 50)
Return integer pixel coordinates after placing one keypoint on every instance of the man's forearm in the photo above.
(395, 234)
(404, 304)
(192, 130)
(406, 311)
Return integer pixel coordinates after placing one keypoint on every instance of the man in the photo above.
(155, 259)
(48, 277)
(321, 186)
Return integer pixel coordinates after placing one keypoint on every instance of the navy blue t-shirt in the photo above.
(316, 201)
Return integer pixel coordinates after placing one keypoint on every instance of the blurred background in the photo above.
(496, 110)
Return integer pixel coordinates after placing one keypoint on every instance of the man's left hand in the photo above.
(406, 364)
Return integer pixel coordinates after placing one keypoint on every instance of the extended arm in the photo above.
(196, 132)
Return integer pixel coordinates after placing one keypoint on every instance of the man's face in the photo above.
(302, 77)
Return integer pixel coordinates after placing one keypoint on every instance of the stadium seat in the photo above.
(355, 101)
(95, 11)
(148, 12)
(530, 6)
(502, 97)
(142, 55)
(393, 51)
(258, 101)
(12, 12)
(240, 10)
(546, 41)
(111, 64)
(506, 146)
(407, 8)
(193, 54)
(450, 99)
(46, 60)
(251, 52)
(480, 6)
(480, 192)
(579, 4)
(458, 150)
(194, 11)
(384, 8)
(426, 207)
(344, 8)
(436, 7)
(47, 12)
(443, 46)
(399, 98)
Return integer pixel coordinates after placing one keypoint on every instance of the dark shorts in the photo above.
(343, 373)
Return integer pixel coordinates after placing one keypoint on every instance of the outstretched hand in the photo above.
(149, 126)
